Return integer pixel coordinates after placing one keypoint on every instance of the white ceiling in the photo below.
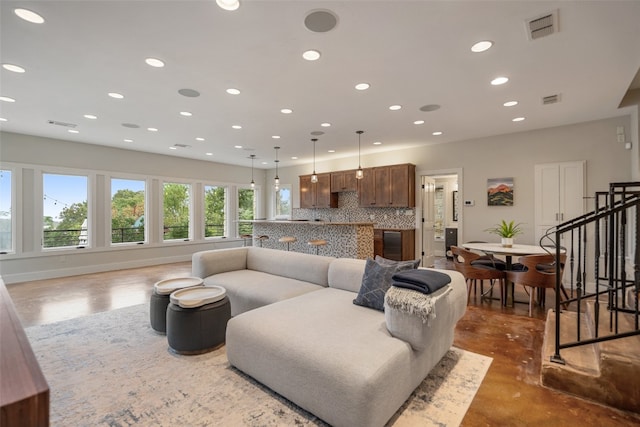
(412, 53)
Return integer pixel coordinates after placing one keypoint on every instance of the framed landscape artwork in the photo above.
(500, 192)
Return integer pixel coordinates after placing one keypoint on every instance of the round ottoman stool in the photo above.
(160, 299)
(197, 319)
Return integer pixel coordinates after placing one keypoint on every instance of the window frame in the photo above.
(109, 228)
(226, 227)
(13, 188)
(190, 230)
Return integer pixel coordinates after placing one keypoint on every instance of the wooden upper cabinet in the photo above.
(388, 186)
(344, 181)
(317, 195)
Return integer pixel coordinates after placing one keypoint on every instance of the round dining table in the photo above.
(509, 253)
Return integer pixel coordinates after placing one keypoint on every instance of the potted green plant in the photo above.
(507, 231)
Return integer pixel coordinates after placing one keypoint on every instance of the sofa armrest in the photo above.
(409, 314)
(208, 263)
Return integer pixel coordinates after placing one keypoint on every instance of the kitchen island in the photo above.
(344, 239)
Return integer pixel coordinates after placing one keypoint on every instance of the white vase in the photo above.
(507, 242)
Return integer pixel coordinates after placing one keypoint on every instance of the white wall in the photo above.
(34, 154)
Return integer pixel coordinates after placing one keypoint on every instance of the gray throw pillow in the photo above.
(404, 265)
(376, 281)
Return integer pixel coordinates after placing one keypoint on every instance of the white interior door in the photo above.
(428, 220)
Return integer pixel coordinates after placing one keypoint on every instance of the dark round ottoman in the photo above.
(160, 299)
(196, 329)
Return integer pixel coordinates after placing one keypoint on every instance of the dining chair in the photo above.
(537, 271)
(463, 263)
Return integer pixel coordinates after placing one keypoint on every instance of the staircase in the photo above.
(592, 348)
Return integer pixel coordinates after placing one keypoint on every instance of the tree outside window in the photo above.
(283, 201)
(65, 210)
(127, 211)
(215, 199)
(177, 204)
(246, 209)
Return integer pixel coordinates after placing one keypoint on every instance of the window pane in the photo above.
(246, 209)
(127, 211)
(214, 211)
(283, 201)
(65, 210)
(6, 227)
(176, 211)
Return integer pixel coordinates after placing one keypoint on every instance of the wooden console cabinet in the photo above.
(317, 195)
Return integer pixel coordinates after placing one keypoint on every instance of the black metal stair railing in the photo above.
(601, 241)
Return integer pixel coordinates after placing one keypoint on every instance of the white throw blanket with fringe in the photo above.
(413, 302)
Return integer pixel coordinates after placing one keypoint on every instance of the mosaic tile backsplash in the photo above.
(349, 211)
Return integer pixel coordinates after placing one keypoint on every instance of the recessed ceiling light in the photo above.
(128, 140)
(116, 95)
(154, 62)
(186, 113)
(173, 148)
(73, 131)
(436, 133)
(265, 163)
(311, 55)
(7, 99)
(499, 81)
(209, 154)
(481, 46)
(14, 68)
(418, 122)
(294, 158)
(362, 86)
(199, 139)
(29, 15)
(228, 4)
(90, 116)
(275, 136)
(377, 143)
(2, 119)
(395, 107)
(517, 119)
(325, 125)
(286, 111)
(236, 127)
(233, 91)
(237, 146)
(331, 151)
(510, 103)
(152, 129)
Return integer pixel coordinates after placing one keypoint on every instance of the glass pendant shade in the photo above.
(253, 183)
(314, 176)
(276, 180)
(359, 171)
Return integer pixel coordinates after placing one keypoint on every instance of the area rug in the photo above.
(112, 369)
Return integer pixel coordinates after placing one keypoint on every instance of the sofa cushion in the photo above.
(294, 265)
(414, 263)
(250, 289)
(332, 358)
(346, 274)
(376, 281)
(206, 263)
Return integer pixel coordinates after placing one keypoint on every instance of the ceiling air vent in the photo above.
(182, 145)
(57, 123)
(542, 26)
(551, 99)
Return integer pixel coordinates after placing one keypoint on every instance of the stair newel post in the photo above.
(556, 356)
(623, 249)
(596, 266)
(636, 265)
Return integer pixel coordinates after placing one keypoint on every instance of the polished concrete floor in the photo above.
(510, 395)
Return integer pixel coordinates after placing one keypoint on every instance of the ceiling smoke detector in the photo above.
(543, 25)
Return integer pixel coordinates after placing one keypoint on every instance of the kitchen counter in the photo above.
(304, 221)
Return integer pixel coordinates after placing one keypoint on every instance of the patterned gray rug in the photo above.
(112, 369)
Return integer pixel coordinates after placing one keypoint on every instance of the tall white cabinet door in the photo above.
(559, 194)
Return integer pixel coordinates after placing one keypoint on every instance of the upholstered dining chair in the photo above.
(463, 263)
(539, 272)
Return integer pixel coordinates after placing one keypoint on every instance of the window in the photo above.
(127, 211)
(283, 201)
(65, 210)
(6, 223)
(246, 210)
(177, 204)
(215, 199)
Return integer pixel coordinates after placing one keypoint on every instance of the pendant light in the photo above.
(253, 183)
(314, 176)
(359, 172)
(276, 180)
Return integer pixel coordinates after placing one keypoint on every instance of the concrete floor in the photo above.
(510, 395)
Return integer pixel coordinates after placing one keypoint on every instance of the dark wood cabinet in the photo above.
(398, 245)
(317, 195)
(388, 186)
(344, 181)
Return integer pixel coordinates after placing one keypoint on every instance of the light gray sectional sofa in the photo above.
(296, 330)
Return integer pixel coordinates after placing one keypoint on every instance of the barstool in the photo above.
(245, 238)
(261, 238)
(288, 240)
(317, 243)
